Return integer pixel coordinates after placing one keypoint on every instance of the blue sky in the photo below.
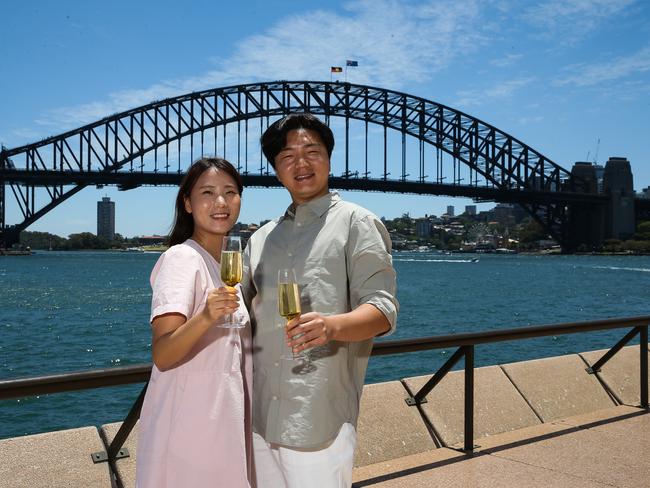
(559, 75)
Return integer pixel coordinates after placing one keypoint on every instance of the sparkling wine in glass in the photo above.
(289, 302)
(231, 273)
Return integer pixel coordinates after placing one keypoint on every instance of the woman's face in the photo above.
(214, 203)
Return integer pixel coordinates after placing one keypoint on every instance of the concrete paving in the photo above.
(558, 387)
(608, 448)
(498, 405)
(621, 374)
(53, 459)
(124, 467)
(543, 423)
(388, 427)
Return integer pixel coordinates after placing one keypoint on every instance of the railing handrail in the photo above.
(501, 335)
(74, 380)
(98, 378)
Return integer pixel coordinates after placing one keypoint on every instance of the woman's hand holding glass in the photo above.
(220, 302)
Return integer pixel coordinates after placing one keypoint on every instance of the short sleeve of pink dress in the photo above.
(194, 429)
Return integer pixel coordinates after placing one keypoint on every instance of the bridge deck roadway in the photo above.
(126, 180)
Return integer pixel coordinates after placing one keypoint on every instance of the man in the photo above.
(305, 413)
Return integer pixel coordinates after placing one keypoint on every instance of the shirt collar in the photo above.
(318, 207)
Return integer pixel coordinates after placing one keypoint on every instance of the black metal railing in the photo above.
(22, 387)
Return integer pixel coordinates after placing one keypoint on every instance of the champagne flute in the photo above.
(289, 302)
(231, 273)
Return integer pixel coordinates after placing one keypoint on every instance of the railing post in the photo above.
(643, 346)
(469, 398)
(128, 424)
(115, 450)
(595, 368)
(420, 396)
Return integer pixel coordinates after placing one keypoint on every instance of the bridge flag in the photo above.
(349, 62)
(335, 69)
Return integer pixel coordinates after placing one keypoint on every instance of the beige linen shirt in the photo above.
(341, 255)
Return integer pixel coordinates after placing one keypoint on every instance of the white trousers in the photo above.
(282, 467)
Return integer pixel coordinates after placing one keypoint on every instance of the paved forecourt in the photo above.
(541, 423)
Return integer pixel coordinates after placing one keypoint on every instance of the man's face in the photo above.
(303, 166)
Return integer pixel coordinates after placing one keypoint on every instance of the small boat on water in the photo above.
(132, 249)
(16, 252)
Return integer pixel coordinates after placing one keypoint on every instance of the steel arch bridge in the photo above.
(386, 141)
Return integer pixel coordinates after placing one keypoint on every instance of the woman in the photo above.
(195, 422)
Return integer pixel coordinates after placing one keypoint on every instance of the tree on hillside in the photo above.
(87, 240)
(41, 240)
(643, 231)
(531, 232)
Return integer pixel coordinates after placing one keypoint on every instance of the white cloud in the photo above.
(593, 74)
(530, 120)
(395, 42)
(569, 20)
(507, 60)
(25, 133)
(503, 90)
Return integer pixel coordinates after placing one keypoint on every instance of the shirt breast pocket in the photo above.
(325, 285)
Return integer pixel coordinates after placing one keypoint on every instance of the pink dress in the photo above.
(195, 425)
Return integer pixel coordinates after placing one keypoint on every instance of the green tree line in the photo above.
(527, 233)
(83, 240)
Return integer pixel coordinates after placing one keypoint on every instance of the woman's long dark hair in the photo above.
(183, 227)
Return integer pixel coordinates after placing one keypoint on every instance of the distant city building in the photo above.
(645, 193)
(106, 219)
(456, 228)
(450, 210)
(507, 214)
(486, 215)
(470, 210)
(423, 227)
(503, 213)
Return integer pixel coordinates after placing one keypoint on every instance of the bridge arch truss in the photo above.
(421, 147)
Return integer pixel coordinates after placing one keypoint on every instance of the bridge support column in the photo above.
(586, 226)
(8, 237)
(2, 203)
(620, 218)
(2, 208)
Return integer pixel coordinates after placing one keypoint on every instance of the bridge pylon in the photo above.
(618, 183)
(586, 224)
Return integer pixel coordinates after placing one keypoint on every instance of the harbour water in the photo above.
(71, 311)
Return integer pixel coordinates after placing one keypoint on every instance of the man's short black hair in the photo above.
(274, 138)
